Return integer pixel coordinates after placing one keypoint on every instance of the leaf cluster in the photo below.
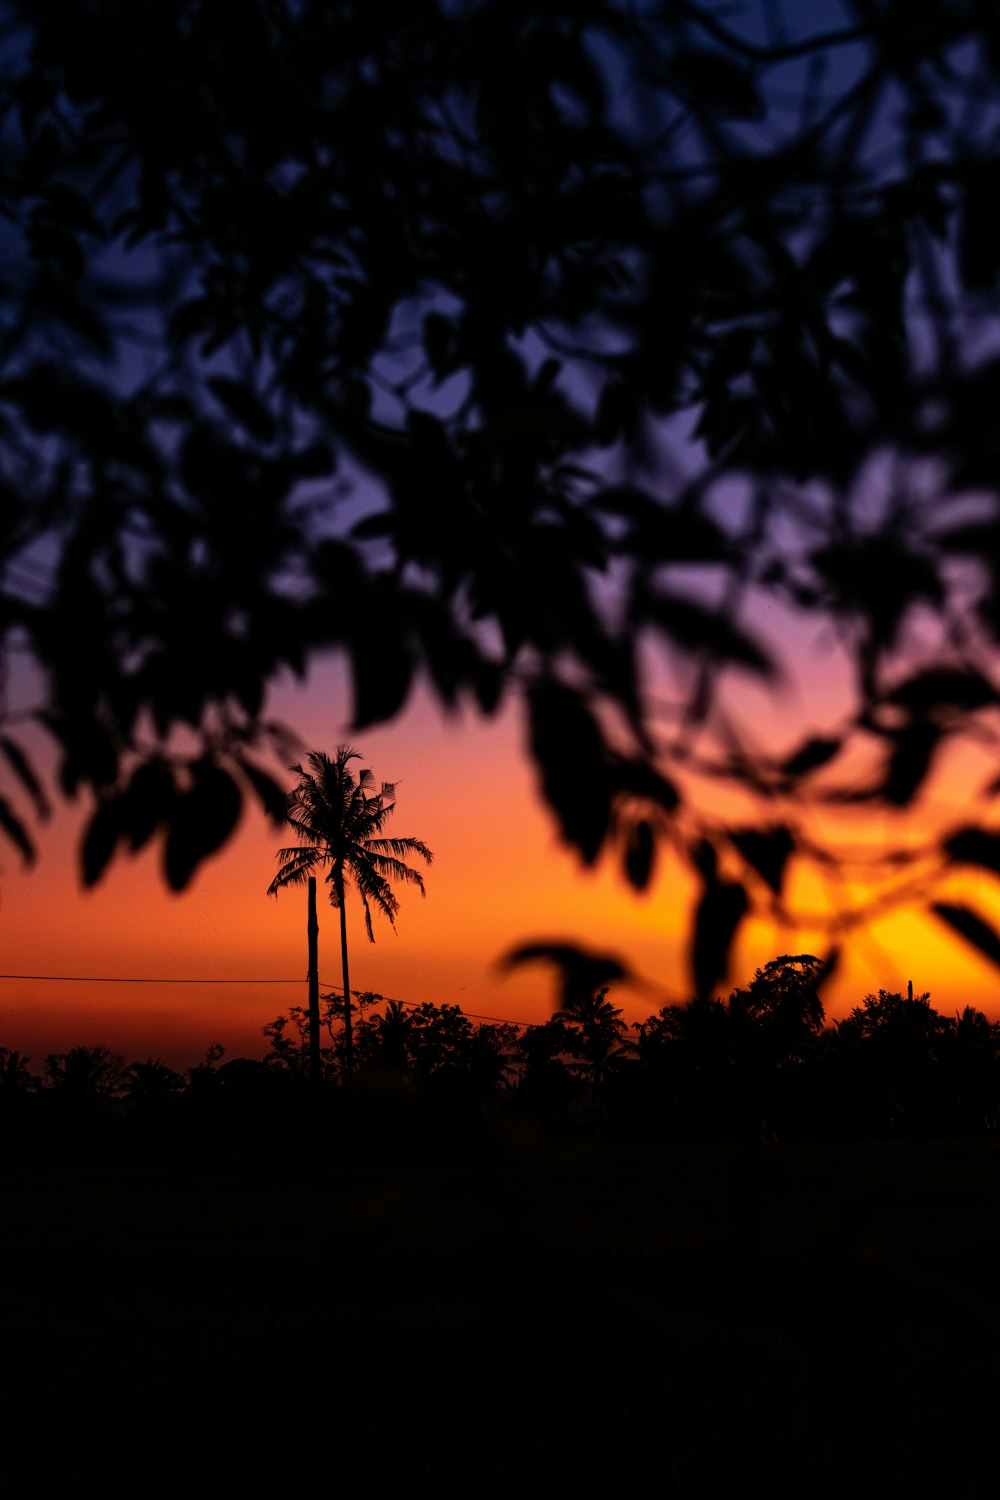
(505, 347)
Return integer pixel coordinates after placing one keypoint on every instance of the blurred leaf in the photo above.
(639, 778)
(243, 405)
(978, 244)
(881, 578)
(910, 763)
(147, 803)
(979, 934)
(722, 908)
(16, 831)
(271, 795)
(382, 676)
(488, 682)
(712, 81)
(58, 249)
(700, 630)
(569, 750)
(101, 839)
(314, 461)
(640, 854)
(671, 533)
(195, 316)
(439, 343)
(964, 689)
(203, 819)
(975, 846)
(810, 756)
(617, 413)
(767, 851)
(582, 972)
(70, 210)
(831, 963)
(973, 538)
(25, 773)
(705, 860)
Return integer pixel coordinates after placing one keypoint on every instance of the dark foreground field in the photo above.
(699, 1321)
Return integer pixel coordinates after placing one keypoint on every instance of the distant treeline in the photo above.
(760, 1064)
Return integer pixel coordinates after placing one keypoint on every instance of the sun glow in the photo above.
(500, 878)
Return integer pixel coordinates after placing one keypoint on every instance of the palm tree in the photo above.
(338, 820)
(393, 1035)
(14, 1075)
(597, 1037)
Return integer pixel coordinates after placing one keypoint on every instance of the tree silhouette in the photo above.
(94, 1075)
(491, 1060)
(338, 820)
(596, 1035)
(899, 1046)
(393, 1032)
(780, 1011)
(546, 1085)
(15, 1075)
(633, 328)
(152, 1081)
(688, 1054)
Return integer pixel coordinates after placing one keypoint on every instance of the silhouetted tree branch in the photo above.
(510, 346)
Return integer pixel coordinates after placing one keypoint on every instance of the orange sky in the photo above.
(499, 878)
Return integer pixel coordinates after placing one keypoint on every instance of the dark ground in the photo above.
(810, 1320)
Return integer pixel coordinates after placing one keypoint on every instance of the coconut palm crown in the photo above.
(338, 818)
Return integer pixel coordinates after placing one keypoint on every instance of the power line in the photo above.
(124, 979)
(472, 1015)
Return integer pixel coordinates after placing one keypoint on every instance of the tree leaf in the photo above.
(270, 793)
(569, 750)
(767, 851)
(101, 839)
(25, 773)
(639, 778)
(314, 461)
(697, 629)
(978, 933)
(582, 971)
(673, 533)
(978, 247)
(944, 687)
(712, 81)
(241, 402)
(439, 342)
(147, 802)
(910, 763)
(722, 908)
(975, 846)
(16, 831)
(640, 855)
(810, 756)
(382, 676)
(204, 817)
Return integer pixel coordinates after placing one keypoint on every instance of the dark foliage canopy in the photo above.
(520, 346)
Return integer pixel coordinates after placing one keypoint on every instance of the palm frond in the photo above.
(402, 848)
(295, 867)
(338, 819)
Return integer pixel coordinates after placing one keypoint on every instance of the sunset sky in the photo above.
(500, 877)
(153, 974)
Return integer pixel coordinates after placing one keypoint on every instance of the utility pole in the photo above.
(312, 928)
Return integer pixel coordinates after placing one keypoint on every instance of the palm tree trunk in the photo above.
(312, 927)
(346, 974)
